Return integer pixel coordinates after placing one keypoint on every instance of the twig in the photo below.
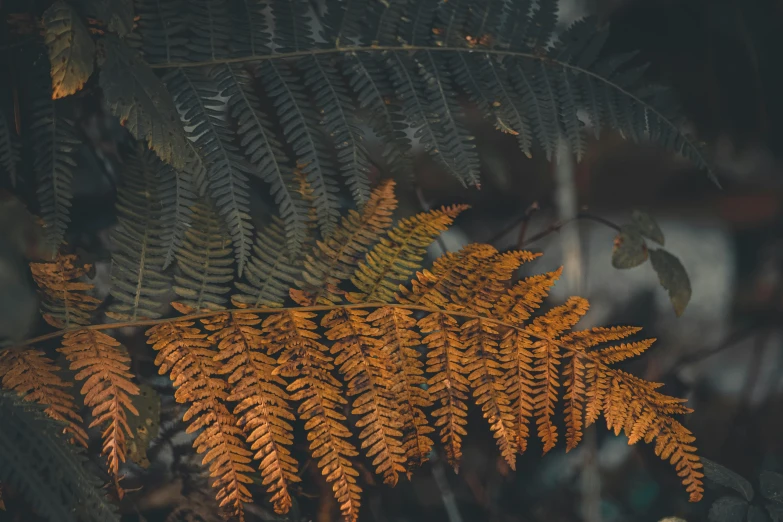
(523, 229)
(554, 227)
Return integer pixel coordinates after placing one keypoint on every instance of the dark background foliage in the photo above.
(724, 354)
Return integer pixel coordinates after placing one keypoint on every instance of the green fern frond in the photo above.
(9, 150)
(300, 126)
(162, 30)
(227, 171)
(292, 25)
(368, 80)
(262, 149)
(38, 462)
(175, 191)
(272, 270)
(54, 142)
(140, 100)
(210, 31)
(339, 120)
(205, 262)
(250, 27)
(138, 285)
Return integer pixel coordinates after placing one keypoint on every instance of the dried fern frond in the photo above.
(483, 339)
(34, 377)
(306, 360)
(102, 363)
(263, 410)
(38, 463)
(185, 353)
(64, 299)
(395, 258)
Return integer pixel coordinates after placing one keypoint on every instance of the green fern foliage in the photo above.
(71, 49)
(37, 461)
(9, 150)
(139, 248)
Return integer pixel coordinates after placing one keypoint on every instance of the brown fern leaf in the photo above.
(525, 297)
(484, 368)
(483, 286)
(334, 259)
(263, 403)
(447, 384)
(574, 372)
(547, 356)
(185, 353)
(34, 376)
(433, 287)
(307, 361)
(102, 362)
(517, 356)
(369, 374)
(399, 253)
(64, 299)
(632, 405)
(399, 340)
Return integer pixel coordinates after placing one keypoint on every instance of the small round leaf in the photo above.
(629, 249)
(728, 509)
(673, 278)
(646, 225)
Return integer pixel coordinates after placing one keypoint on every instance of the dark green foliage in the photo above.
(140, 248)
(37, 461)
(192, 79)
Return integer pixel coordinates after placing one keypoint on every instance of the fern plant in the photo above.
(370, 356)
(191, 80)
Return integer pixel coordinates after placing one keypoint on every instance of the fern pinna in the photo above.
(226, 91)
(404, 355)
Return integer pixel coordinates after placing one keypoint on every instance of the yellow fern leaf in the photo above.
(433, 287)
(186, 355)
(623, 351)
(102, 362)
(334, 259)
(483, 286)
(394, 259)
(307, 361)
(517, 357)
(34, 376)
(64, 298)
(262, 402)
(399, 341)
(447, 384)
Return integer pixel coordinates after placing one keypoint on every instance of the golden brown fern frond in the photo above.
(433, 287)
(369, 374)
(334, 259)
(482, 286)
(102, 362)
(262, 407)
(34, 376)
(306, 360)
(185, 353)
(64, 299)
(399, 340)
(518, 304)
(399, 254)
(447, 384)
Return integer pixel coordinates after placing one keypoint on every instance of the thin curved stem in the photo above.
(433, 49)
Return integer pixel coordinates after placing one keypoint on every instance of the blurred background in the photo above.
(724, 353)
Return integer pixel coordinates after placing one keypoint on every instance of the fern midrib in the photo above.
(315, 308)
(453, 401)
(413, 48)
